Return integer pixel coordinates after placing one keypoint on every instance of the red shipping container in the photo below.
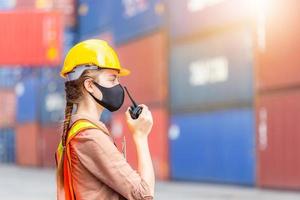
(158, 141)
(7, 108)
(50, 137)
(278, 140)
(28, 144)
(147, 60)
(67, 7)
(30, 38)
(278, 59)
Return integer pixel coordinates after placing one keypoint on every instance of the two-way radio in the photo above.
(134, 110)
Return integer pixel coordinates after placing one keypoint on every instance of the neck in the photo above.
(91, 109)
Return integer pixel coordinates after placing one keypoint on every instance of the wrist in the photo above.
(140, 138)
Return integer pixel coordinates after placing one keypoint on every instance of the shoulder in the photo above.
(92, 139)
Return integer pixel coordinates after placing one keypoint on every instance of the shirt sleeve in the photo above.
(99, 156)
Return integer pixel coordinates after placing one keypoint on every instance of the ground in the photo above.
(39, 184)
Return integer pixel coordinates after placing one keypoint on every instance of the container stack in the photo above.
(277, 105)
(35, 36)
(141, 41)
(211, 92)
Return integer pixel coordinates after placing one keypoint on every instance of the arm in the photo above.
(140, 129)
(145, 166)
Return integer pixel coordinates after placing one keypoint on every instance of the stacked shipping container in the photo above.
(211, 92)
(31, 54)
(277, 105)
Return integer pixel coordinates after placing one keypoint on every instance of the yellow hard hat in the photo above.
(91, 53)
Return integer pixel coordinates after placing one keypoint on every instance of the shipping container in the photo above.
(34, 4)
(278, 55)
(213, 147)
(7, 108)
(212, 73)
(9, 76)
(66, 7)
(28, 144)
(146, 58)
(69, 40)
(27, 92)
(193, 17)
(278, 139)
(7, 5)
(52, 101)
(50, 137)
(7, 145)
(30, 38)
(158, 141)
(94, 16)
(107, 36)
(135, 18)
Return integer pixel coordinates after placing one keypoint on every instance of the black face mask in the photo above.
(113, 97)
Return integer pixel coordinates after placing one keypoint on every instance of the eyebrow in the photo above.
(113, 75)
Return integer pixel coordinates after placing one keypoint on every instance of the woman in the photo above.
(89, 166)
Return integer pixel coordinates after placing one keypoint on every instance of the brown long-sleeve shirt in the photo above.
(99, 170)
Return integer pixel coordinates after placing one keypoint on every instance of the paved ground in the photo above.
(18, 183)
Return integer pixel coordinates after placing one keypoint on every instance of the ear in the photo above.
(88, 85)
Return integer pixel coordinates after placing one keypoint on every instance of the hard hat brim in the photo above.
(124, 72)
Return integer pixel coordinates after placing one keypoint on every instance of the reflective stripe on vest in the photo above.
(77, 127)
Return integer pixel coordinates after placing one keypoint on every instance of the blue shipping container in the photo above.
(27, 92)
(9, 76)
(52, 96)
(215, 72)
(69, 40)
(213, 147)
(7, 145)
(94, 16)
(135, 18)
(190, 17)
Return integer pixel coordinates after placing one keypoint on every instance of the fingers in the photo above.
(127, 113)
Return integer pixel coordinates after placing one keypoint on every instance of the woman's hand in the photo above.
(140, 127)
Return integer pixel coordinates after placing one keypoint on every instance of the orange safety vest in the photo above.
(78, 126)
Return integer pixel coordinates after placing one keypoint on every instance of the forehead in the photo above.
(108, 72)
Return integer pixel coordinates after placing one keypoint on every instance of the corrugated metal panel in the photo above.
(9, 76)
(158, 141)
(278, 55)
(50, 137)
(43, 33)
(7, 4)
(7, 145)
(51, 96)
(28, 144)
(190, 17)
(69, 40)
(217, 146)
(278, 140)
(215, 72)
(27, 92)
(66, 7)
(107, 36)
(136, 18)
(7, 108)
(95, 16)
(34, 4)
(147, 60)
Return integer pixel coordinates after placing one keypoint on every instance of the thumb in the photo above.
(128, 116)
